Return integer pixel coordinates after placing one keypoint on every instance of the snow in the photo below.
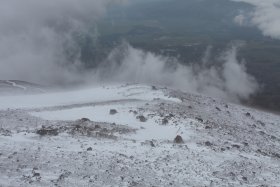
(16, 85)
(222, 147)
(87, 95)
(151, 129)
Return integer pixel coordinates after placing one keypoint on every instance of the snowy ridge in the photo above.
(123, 135)
(87, 95)
(15, 87)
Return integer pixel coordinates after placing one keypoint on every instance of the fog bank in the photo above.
(39, 39)
(39, 42)
(266, 16)
(226, 78)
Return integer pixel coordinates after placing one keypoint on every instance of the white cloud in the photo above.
(34, 35)
(228, 80)
(266, 16)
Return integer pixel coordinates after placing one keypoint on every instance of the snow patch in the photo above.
(148, 130)
(88, 95)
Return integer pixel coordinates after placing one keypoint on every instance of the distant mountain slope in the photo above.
(193, 17)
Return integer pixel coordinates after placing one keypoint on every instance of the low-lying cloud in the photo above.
(38, 43)
(226, 78)
(266, 16)
(38, 39)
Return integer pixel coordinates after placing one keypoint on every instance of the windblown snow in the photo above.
(135, 135)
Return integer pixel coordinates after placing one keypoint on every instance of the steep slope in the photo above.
(124, 135)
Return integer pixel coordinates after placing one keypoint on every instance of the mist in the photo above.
(39, 42)
(227, 78)
(39, 39)
(266, 16)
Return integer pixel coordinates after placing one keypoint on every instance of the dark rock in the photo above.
(142, 118)
(164, 121)
(84, 120)
(63, 176)
(171, 116)
(5, 132)
(248, 114)
(152, 144)
(113, 111)
(199, 119)
(245, 143)
(133, 183)
(273, 137)
(47, 131)
(178, 139)
(208, 143)
(89, 149)
(232, 174)
(276, 155)
(97, 126)
(217, 108)
(207, 127)
(236, 146)
(154, 88)
(133, 111)
(262, 152)
(36, 174)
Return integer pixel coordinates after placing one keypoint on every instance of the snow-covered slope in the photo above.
(124, 135)
(8, 87)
